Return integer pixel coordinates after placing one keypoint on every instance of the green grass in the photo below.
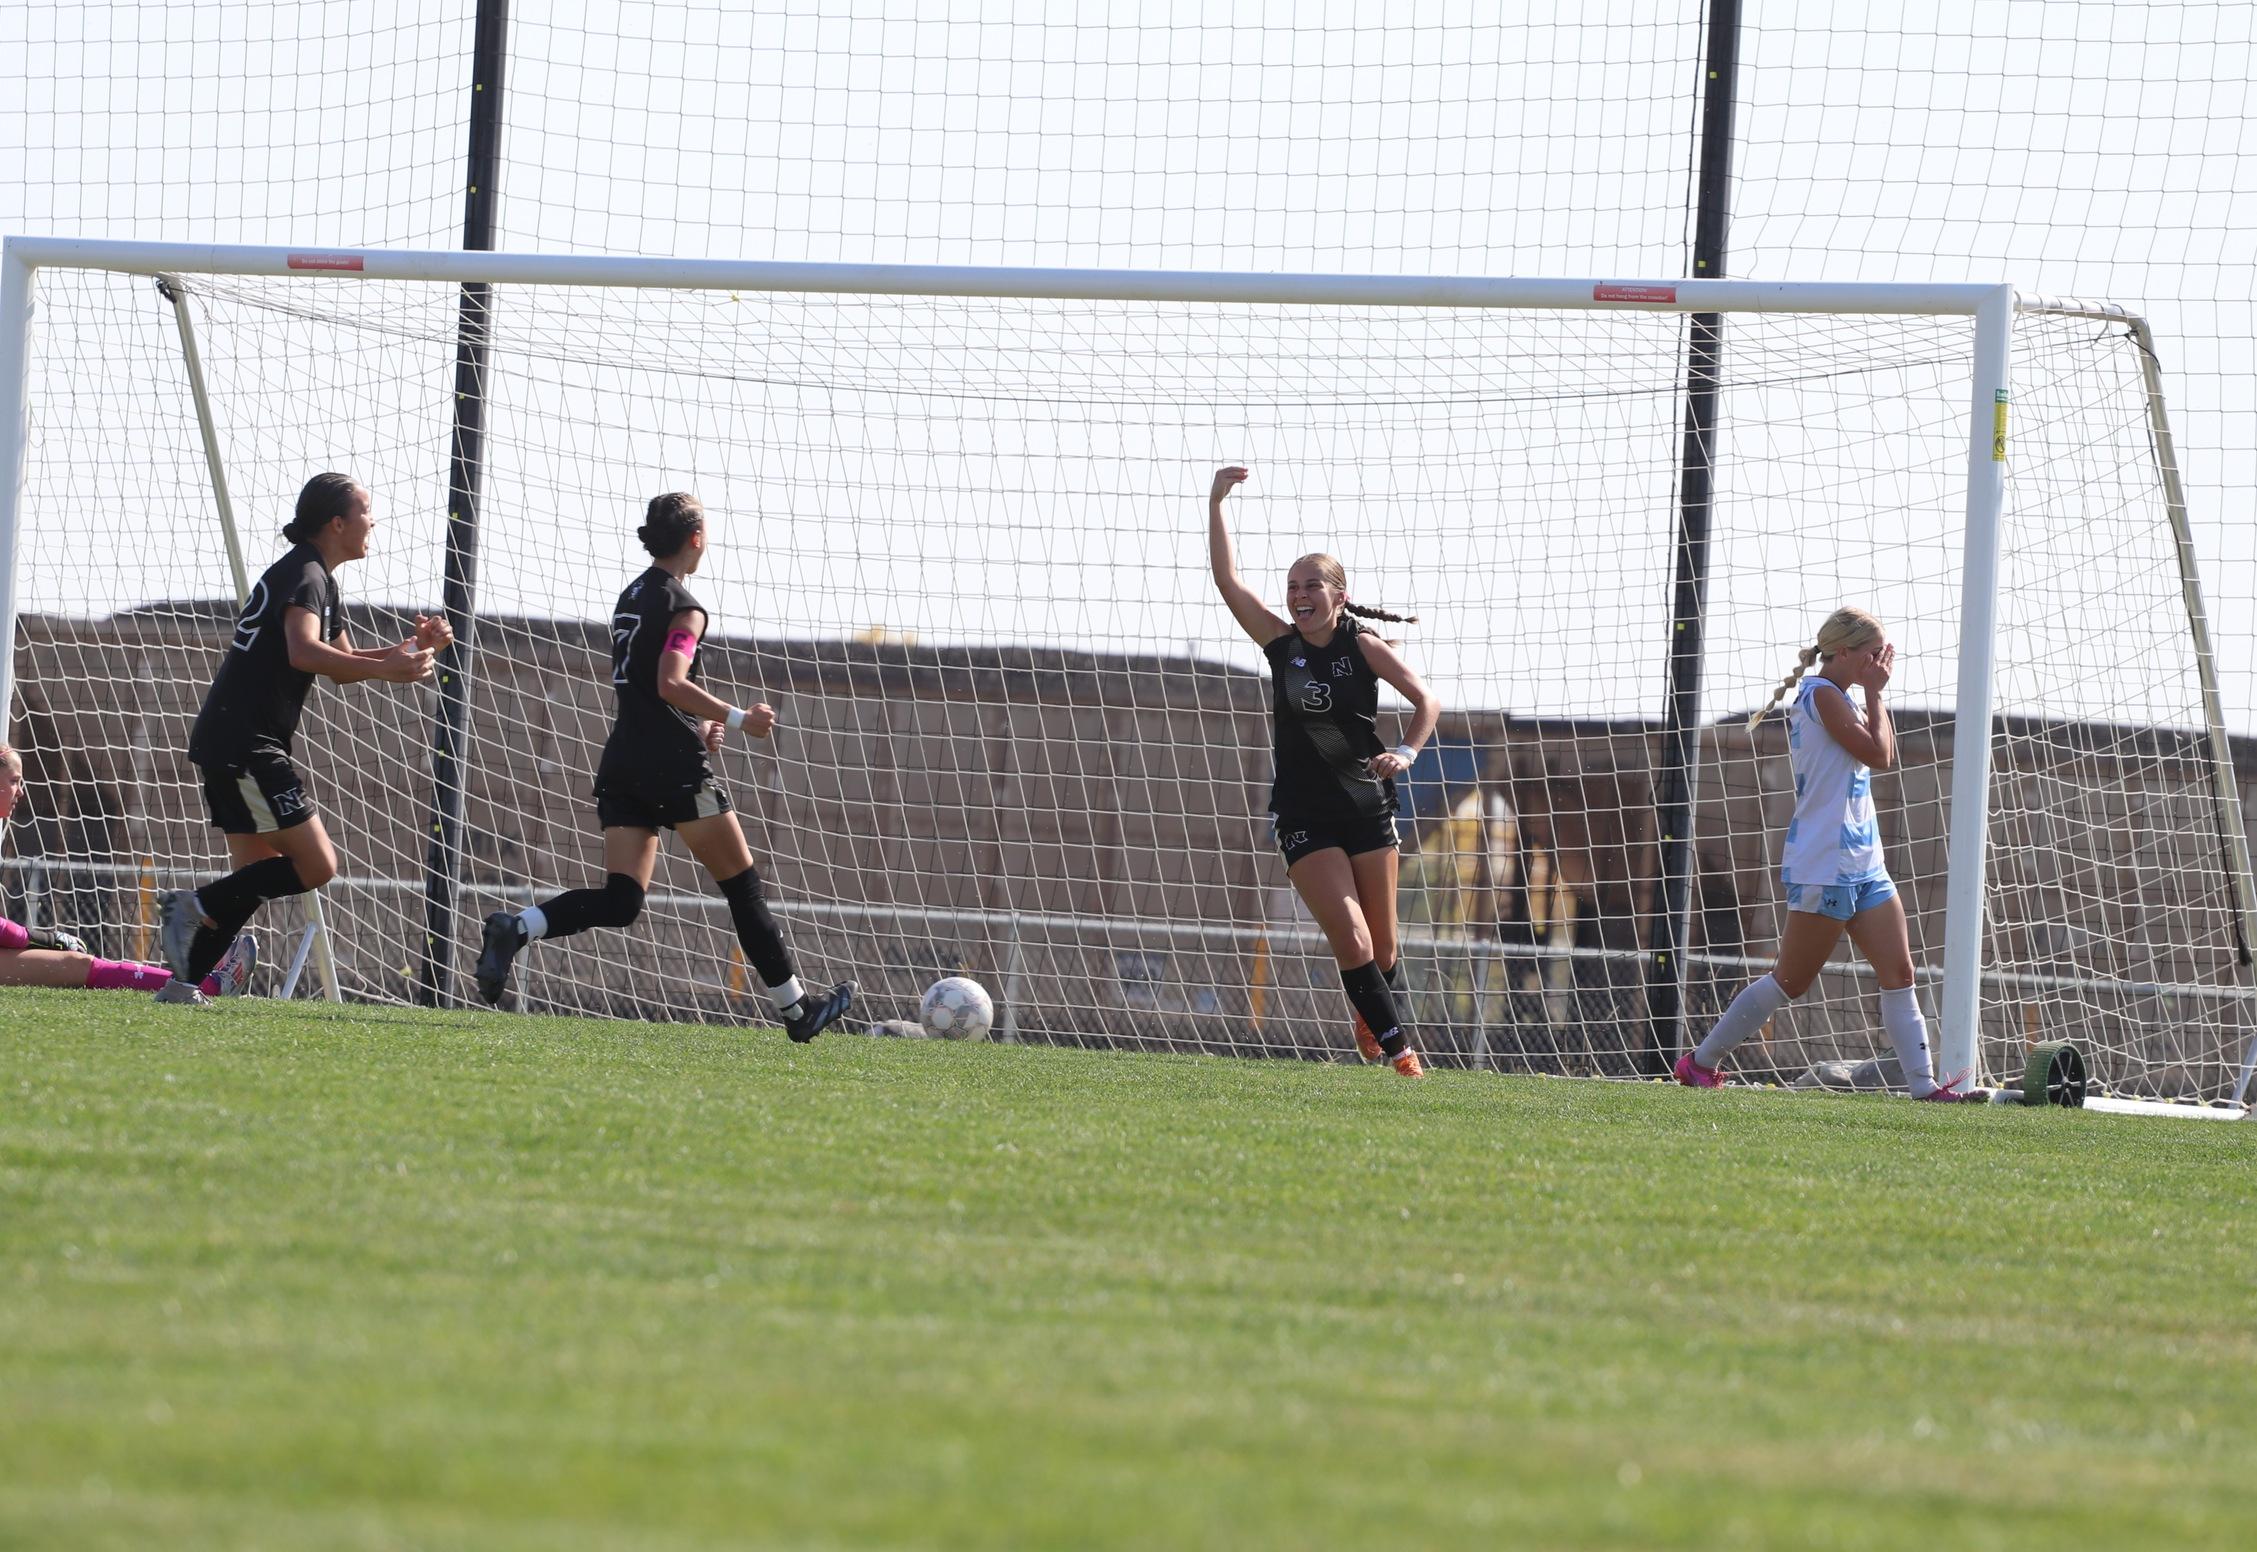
(299, 1277)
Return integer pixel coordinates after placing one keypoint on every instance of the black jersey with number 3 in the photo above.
(256, 698)
(653, 746)
(1325, 702)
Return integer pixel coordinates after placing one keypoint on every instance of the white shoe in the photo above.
(232, 975)
(180, 992)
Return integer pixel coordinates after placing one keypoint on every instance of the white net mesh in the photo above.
(958, 545)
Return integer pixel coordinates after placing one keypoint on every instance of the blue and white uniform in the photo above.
(1832, 864)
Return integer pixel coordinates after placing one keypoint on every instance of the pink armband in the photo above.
(681, 641)
(14, 935)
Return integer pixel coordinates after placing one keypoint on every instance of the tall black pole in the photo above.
(466, 466)
(1681, 719)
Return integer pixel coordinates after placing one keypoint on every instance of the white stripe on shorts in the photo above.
(262, 813)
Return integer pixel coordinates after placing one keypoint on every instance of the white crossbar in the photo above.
(1129, 285)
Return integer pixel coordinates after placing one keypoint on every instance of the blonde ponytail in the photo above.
(1803, 666)
(1845, 630)
(1366, 612)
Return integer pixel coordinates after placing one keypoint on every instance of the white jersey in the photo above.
(1833, 838)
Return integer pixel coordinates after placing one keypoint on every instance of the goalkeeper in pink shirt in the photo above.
(50, 956)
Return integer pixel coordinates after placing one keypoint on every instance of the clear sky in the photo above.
(2088, 148)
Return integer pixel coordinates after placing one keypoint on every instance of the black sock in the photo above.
(757, 933)
(1393, 975)
(1367, 988)
(205, 951)
(618, 904)
(230, 902)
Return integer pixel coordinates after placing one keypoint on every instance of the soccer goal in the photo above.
(957, 541)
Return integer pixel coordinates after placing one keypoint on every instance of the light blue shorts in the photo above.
(1841, 901)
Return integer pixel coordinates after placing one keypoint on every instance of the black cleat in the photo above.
(818, 1014)
(503, 939)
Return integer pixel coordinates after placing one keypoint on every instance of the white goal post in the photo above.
(321, 279)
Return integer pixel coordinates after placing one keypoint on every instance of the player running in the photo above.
(52, 956)
(1333, 798)
(1832, 869)
(656, 774)
(292, 627)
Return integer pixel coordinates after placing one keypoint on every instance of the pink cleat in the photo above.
(1694, 1076)
(1946, 1092)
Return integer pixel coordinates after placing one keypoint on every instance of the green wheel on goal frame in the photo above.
(2054, 1075)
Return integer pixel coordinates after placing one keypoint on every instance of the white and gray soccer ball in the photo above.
(957, 1008)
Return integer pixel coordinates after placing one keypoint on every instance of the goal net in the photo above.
(958, 543)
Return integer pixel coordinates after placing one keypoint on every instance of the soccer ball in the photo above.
(956, 1009)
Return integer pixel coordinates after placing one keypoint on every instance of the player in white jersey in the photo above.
(1832, 868)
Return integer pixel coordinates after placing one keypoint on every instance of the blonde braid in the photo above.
(1803, 665)
(1366, 612)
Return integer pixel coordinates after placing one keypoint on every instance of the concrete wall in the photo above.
(1086, 834)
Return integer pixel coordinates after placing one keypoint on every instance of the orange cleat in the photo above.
(1367, 1043)
(1407, 1063)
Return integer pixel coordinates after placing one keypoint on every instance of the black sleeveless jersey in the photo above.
(1325, 704)
(652, 745)
(255, 700)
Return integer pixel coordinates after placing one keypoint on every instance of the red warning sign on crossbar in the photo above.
(1633, 293)
(336, 261)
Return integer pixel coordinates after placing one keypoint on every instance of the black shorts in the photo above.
(263, 795)
(1355, 835)
(662, 808)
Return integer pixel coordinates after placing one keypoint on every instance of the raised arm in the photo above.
(1875, 679)
(1873, 741)
(1253, 617)
(1426, 706)
(309, 654)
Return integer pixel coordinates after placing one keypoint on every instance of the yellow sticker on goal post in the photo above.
(1998, 426)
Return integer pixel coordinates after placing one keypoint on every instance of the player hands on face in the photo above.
(1832, 870)
(1333, 802)
(55, 957)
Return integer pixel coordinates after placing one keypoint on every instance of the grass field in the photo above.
(282, 1276)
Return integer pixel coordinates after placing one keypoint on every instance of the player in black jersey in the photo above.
(1333, 799)
(292, 627)
(657, 774)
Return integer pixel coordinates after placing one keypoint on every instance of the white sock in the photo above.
(1908, 1032)
(532, 923)
(787, 996)
(1749, 1012)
